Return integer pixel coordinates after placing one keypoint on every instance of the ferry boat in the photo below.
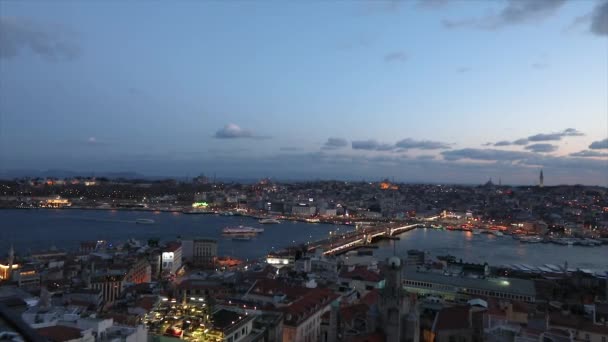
(313, 220)
(497, 233)
(242, 238)
(269, 221)
(242, 230)
(144, 221)
(531, 239)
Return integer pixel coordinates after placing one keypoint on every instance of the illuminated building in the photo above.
(5, 273)
(7, 269)
(56, 202)
(140, 272)
(229, 326)
(200, 205)
(172, 257)
(280, 261)
(27, 277)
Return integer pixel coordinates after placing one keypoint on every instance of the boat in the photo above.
(144, 221)
(269, 221)
(242, 230)
(476, 231)
(241, 238)
(497, 233)
(313, 220)
(531, 239)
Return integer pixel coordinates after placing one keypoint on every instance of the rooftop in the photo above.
(452, 318)
(60, 333)
(363, 274)
(510, 285)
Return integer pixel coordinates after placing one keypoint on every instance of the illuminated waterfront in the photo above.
(41, 229)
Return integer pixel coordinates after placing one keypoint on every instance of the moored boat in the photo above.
(269, 221)
(242, 230)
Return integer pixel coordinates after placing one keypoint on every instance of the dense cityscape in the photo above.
(334, 289)
(304, 171)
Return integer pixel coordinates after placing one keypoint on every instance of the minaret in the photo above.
(542, 178)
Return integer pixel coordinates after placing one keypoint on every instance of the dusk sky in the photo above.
(419, 91)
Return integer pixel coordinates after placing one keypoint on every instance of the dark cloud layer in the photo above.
(589, 153)
(541, 148)
(514, 13)
(334, 143)
(371, 145)
(599, 145)
(421, 144)
(18, 34)
(485, 154)
(599, 19)
(503, 143)
(400, 146)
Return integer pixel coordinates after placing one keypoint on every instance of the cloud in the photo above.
(541, 148)
(545, 137)
(425, 157)
(463, 69)
(421, 144)
(588, 153)
(49, 42)
(503, 143)
(487, 144)
(599, 19)
(232, 131)
(395, 56)
(568, 132)
(334, 143)
(599, 145)
(515, 12)
(520, 142)
(571, 132)
(485, 154)
(370, 145)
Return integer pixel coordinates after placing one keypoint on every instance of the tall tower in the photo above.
(542, 179)
(394, 305)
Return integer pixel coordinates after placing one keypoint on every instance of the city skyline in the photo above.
(420, 91)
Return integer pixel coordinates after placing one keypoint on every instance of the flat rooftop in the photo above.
(509, 285)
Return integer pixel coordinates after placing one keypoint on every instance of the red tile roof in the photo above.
(59, 333)
(307, 305)
(452, 318)
(361, 273)
(172, 247)
(349, 313)
(370, 298)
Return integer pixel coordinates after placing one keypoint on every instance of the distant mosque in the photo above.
(542, 179)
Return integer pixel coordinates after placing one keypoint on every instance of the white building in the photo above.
(172, 258)
(303, 210)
